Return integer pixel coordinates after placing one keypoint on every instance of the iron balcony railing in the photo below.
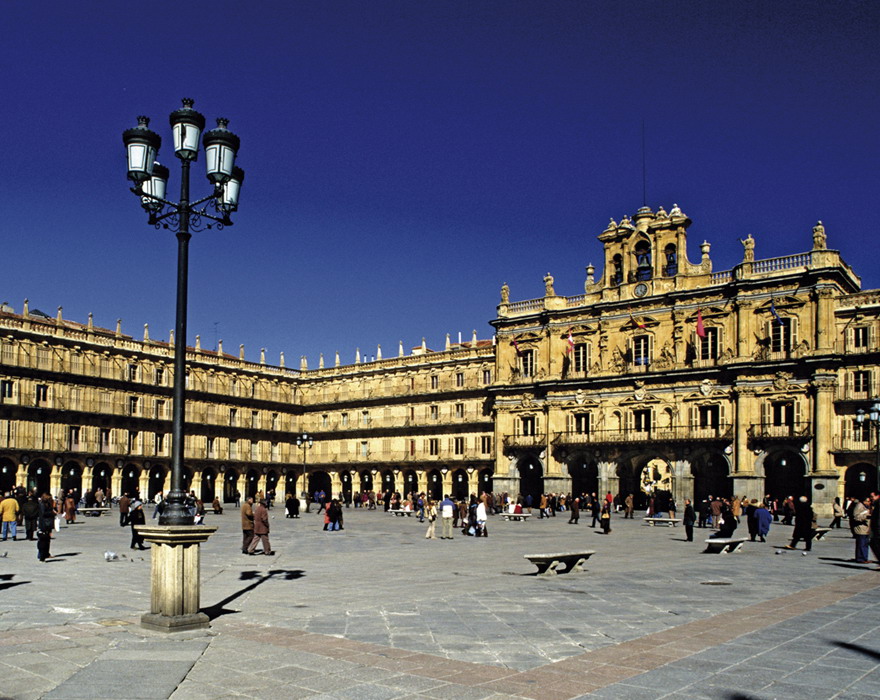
(673, 433)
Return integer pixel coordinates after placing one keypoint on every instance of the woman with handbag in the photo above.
(431, 514)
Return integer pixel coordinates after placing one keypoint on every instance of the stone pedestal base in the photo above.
(174, 572)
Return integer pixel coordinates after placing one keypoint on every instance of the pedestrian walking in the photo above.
(804, 524)
(261, 529)
(9, 515)
(137, 517)
(247, 524)
(431, 514)
(859, 523)
(45, 525)
(837, 512)
(605, 517)
(689, 518)
(447, 515)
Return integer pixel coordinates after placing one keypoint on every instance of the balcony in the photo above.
(854, 442)
(770, 431)
(536, 440)
(673, 433)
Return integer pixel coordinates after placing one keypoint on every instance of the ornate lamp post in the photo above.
(305, 441)
(150, 180)
(872, 415)
(175, 591)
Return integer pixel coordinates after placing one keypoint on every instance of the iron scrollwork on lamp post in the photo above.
(872, 417)
(150, 180)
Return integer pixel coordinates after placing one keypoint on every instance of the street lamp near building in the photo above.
(305, 441)
(872, 416)
(175, 595)
(150, 180)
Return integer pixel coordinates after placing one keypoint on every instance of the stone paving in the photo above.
(377, 611)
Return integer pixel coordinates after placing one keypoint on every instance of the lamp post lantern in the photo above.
(174, 599)
(872, 416)
(150, 180)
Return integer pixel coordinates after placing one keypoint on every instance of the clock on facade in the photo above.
(641, 289)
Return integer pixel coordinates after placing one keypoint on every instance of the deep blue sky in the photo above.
(404, 159)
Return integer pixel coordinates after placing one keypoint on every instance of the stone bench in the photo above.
(96, 511)
(517, 516)
(549, 563)
(820, 532)
(398, 511)
(662, 521)
(724, 545)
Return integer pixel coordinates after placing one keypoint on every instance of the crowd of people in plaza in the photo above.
(41, 516)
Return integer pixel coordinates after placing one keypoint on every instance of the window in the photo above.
(233, 417)
(671, 267)
(861, 335)
(412, 448)
(132, 372)
(325, 420)
(42, 394)
(412, 413)
(73, 435)
(132, 405)
(459, 379)
(709, 416)
(5, 389)
(233, 449)
(709, 345)
(365, 418)
(435, 381)
(780, 335)
(274, 421)
(364, 449)
(486, 444)
(528, 425)
(210, 450)
(861, 430)
(642, 350)
(276, 452)
(255, 450)
(433, 447)
(617, 271)
(527, 361)
(255, 419)
(435, 412)
(160, 376)
(345, 419)
(132, 441)
(160, 409)
(783, 413)
(582, 423)
(458, 445)
(487, 376)
(159, 443)
(105, 439)
(581, 357)
(862, 383)
(642, 420)
(643, 261)
(459, 410)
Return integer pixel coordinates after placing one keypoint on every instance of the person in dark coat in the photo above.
(689, 518)
(726, 524)
(764, 519)
(29, 513)
(291, 505)
(136, 517)
(751, 518)
(575, 511)
(45, 525)
(804, 524)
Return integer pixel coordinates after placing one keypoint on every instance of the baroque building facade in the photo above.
(662, 374)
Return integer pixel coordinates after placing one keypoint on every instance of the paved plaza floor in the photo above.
(376, 611)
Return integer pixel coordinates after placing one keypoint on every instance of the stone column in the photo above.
(447, 483)
(422, 481)
(743, 327)
(241, 486)
(473, 479)
(54, 478)
(88, 475)
(824, 476)
(116, 481)
(196, 483)
(608, 479)
(824, 320)
(682, 482)
(261, 484)
(174, 573)
(144, 484)
(746, 411)
(335, 485)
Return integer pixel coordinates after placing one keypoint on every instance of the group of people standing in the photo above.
(37, 514)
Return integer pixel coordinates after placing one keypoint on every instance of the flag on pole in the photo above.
(701, 330)
(775, 314)
(516, 347)
(640, 322)
(570, 348)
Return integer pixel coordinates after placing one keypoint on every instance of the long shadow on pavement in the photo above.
(259, 578)
(873, 653)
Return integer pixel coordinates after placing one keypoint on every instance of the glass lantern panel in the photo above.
(186, 137)
(229, 198)
(220, 161)
(141, 158)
